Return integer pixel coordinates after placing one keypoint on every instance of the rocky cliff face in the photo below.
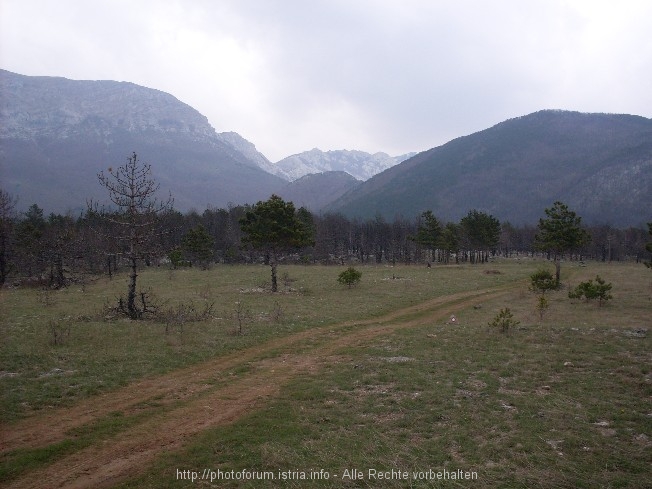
(57, 134)
(246, 148)
(34, 107)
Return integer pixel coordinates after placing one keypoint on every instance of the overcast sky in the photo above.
(374, 75)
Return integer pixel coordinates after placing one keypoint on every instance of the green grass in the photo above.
(560, 402)
(503, 407)
(102, 354)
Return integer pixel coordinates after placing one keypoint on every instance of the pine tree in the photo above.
(559, 233)
(197, 246)
(481, 231)
(429, 231)
(274, 226)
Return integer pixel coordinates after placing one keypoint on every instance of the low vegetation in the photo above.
(542, 281)
(590, 290)
(560, 402)
(349, 277)
(504, 320)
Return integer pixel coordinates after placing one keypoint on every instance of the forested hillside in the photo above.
(600, 164)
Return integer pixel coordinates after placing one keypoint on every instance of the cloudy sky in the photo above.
(374, 75)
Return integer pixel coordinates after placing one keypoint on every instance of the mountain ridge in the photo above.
(57, 134)
(316, 190)
(518, 167)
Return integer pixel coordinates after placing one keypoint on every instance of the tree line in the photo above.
(36, 245)
(136, 229)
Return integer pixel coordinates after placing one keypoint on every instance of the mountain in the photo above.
(57, 134)
(598, 164)
(358, 164)
(317, 190)
(247, 149)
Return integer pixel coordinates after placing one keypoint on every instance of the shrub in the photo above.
(504, 320)
(592, 290)
(542, 280)
(349, 277)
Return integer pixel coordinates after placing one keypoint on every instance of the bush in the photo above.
(592, 290)
(542, 280)
(504, 320)
(349, 277)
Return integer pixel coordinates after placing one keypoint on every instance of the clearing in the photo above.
(167, 410)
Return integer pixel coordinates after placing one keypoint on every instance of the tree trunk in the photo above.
(132, 310)
(3, 259)
(274, 280)
(59, 277)
(557, 270)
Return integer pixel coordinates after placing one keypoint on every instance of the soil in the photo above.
(177, 406)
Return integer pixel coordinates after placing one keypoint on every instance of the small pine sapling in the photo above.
(349, 277)
(542, 306)
(543, 280)
(602, 289)
(505, 320)
(592, 290)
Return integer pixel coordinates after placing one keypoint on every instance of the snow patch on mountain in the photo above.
(359, 164)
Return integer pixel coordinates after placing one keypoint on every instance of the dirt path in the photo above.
(181, 404)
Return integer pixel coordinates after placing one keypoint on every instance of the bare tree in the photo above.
(132, 191)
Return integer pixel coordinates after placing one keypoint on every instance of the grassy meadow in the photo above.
(563, 401)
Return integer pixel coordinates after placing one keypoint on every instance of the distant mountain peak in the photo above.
(359, 164)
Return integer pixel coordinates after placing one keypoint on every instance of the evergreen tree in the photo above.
(450, 240)
(274, 226)
(481, 230)
(197, 246)
(542, 281)
(7, 218)
(349, 277)
(29, 241)
(429, 231)
(560, 232)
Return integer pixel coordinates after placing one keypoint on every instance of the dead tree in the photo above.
(135, 214)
